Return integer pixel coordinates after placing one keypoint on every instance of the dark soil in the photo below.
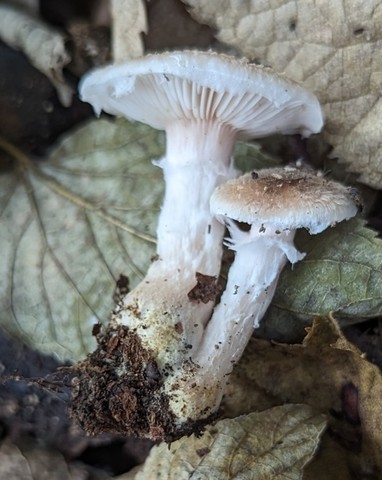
(34, 405)
(117, 389)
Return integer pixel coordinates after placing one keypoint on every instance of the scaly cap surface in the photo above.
(286, 198)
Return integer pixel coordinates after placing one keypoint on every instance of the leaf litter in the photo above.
(94, 203)
(331, 375)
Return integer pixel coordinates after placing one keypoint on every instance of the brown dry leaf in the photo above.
(328, 373)
(333, 47)
(270, 445)
(129, 22)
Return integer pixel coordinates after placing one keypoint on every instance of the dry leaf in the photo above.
(30, 462)
(274, 444)
(44, 46)
(326, 372)
(129, 22)
(70, 226)
(333, 47)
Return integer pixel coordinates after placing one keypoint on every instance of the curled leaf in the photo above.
(129, 22)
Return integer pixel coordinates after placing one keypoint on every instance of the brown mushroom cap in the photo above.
(285, 198)
(163, 88)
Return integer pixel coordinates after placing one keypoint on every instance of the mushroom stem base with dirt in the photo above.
(146, 378)
(160, 310)
(259, 259)
(119, 389)
(156, 327)
(126, 389)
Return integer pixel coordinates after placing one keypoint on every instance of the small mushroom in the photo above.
(205, 102)
(274, 202)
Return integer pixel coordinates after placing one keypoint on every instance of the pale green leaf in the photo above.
(269, 445)
(70, 226)
(341, 273)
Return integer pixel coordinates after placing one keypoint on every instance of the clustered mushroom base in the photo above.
(128, 386)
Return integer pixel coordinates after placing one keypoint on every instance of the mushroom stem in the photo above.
(198, 159)
(169, 323)
(261, 254)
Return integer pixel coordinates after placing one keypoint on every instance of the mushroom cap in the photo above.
(285, 198)
(159, 89)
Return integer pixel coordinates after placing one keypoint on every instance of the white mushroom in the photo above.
(274, 202)
(204, 102)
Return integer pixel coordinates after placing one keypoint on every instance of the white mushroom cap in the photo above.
(285, 198)
(163, 88)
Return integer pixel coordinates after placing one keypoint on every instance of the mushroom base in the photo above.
(119, 389)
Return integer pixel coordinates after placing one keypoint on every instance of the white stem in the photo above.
(198, 159)
(260, 256)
